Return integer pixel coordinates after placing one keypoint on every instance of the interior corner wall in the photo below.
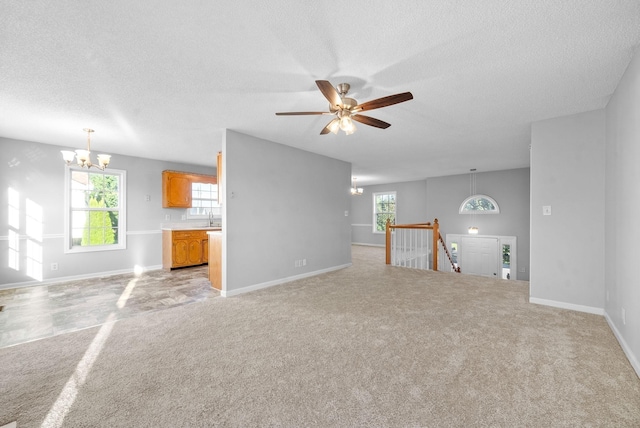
(509, 188)
(411, 207)
(622, 290)
(281, 205)
(567, 247)
(36, 172)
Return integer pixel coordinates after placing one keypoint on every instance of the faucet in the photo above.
(210, 219)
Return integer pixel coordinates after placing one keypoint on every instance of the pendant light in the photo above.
(473, 230)
(355, 190)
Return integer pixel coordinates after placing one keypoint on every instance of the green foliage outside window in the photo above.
(95, 208)
(479, 204)
(384, 208)
(105, 191)
(99, 227)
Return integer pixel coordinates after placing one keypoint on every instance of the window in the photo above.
(384, 207)
(479, 204)
(95, 210)
(204, 200)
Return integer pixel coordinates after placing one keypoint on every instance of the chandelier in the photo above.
(83, 157)
(356, 191)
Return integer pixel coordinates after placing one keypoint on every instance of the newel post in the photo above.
(388, 241)
(436, 235)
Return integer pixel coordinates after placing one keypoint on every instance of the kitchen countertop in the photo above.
(209, 228)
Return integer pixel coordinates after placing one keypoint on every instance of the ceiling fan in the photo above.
(347, 109)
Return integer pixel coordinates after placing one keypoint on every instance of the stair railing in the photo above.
(411, 248)
(407, 246)
(446, 251)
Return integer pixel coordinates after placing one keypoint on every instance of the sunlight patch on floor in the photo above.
(67, 397)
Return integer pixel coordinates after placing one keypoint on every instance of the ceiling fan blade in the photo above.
(370, 121)
(384, 101)
(329, 93)
(331, 127)
(301, 113)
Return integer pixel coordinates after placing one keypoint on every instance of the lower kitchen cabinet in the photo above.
(182, 248)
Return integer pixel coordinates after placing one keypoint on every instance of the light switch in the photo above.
(346, 213)
(546, 210)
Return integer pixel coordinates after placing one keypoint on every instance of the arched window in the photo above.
(479, 204)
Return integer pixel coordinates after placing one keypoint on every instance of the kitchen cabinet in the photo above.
(176, 187)
(182, 248)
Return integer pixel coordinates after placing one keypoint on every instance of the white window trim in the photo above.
(373, 201)
(122, 217)
(216, 210)
(461, 210)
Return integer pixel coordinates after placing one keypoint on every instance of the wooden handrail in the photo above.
(436, 233)
(446, 250)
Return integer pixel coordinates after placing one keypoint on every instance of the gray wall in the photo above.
(622, 290)
(411, 207)
(281, 205)
(440, 197)
(509, 188)
(567, 247)
(36, 171)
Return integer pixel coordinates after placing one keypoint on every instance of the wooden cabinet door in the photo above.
(195, 251)
(176, 190)
(180, 252)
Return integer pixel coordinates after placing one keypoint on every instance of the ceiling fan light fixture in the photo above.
(351, 130)
(346, 124)
(334, 126)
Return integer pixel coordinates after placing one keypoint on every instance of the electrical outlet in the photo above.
(54, 266)
(167, 216)
(624, 317)
(546, 210)
(304, 262)
(147, 198)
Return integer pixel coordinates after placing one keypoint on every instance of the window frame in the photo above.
(69, 248)
(375, 212)
(462, 209)
(215, 209)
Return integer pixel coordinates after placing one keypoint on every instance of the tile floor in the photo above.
(37, 312)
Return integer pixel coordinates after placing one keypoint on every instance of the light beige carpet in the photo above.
(369, 345)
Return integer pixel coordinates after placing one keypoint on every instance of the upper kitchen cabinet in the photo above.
(176, 187)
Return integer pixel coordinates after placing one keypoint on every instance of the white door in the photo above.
(479, 256)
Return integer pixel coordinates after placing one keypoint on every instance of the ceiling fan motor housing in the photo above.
(343, 88)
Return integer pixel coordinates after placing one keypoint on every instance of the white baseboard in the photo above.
(229, 293)
(58, 280)
(623, 344)
(564, 305)
(364, 244)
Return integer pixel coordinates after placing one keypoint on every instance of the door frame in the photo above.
(502, 240)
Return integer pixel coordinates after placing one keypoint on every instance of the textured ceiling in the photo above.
(163, 79)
